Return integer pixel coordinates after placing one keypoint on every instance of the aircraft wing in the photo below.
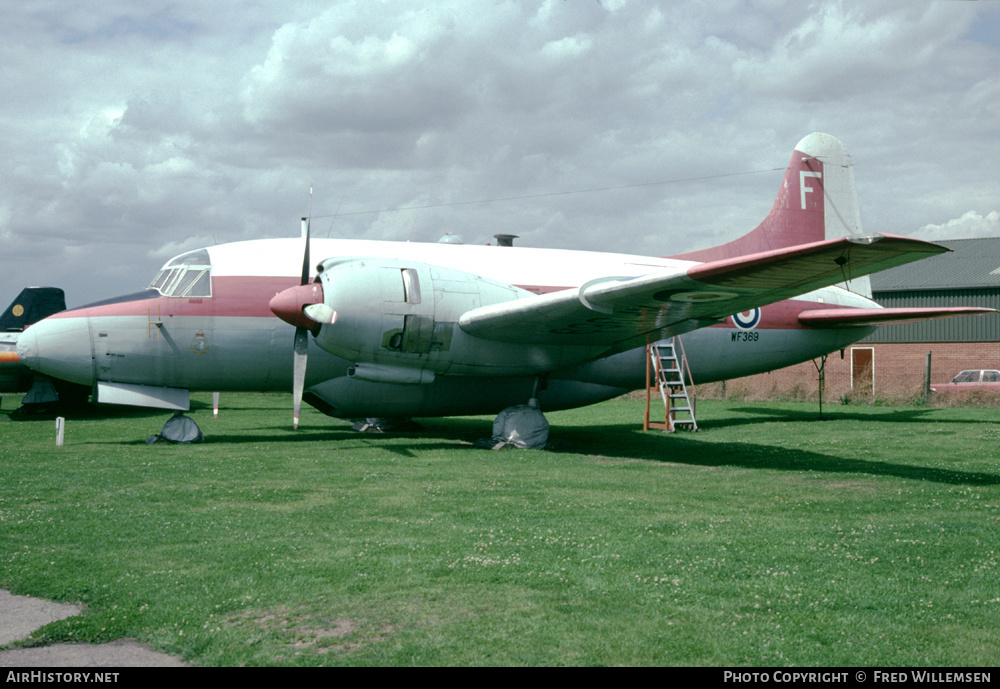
(626, 312)
(847, 318)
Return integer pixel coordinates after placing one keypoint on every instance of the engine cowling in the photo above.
(393, 317)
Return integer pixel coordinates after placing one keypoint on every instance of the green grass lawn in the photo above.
(768, 538)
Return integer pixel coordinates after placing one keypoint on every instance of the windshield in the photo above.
(966, 377)
(187, 275)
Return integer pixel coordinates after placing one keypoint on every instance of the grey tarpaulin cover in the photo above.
(522, 426)
(42, 391)
(178, 429)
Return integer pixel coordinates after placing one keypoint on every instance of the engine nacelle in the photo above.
(394, 317)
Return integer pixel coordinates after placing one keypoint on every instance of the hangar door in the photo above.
(863, 370)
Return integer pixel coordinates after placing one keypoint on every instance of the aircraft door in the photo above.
(104, 358)
(133, 350)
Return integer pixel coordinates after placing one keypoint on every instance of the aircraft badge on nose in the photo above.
(199, 345)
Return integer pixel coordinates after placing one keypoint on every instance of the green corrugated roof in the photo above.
(971, 263)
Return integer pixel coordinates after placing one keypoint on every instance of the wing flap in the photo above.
(619, 312)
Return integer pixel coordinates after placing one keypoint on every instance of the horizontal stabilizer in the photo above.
(848, 318)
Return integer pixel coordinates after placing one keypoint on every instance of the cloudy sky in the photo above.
(135, 131)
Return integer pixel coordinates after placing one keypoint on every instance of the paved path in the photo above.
(21, 615)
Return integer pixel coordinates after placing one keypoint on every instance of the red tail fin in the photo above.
(817, 200)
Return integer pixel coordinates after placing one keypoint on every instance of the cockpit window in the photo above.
(162, 278)
(187, 275)
(193, 282)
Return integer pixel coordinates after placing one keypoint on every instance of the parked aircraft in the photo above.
(43, 395)
(30, 306)
(394, 329)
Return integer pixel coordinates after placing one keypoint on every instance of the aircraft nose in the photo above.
(59, 347)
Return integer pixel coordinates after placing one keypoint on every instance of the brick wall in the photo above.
(897, 373)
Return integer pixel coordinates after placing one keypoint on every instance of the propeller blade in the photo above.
(299, 372)
(301, 344)
(305, 256)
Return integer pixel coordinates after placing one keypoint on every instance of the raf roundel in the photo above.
(748, 320)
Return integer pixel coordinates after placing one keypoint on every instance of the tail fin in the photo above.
(817, 200)
(32, 305)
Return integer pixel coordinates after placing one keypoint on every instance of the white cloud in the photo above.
(567, 48)
(843, 50)
(132, 130)
(971, 225)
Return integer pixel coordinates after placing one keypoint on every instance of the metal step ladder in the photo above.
(667, 370)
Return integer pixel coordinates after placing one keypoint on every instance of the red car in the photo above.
(971, 381)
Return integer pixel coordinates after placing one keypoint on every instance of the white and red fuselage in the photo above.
(227, 339)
